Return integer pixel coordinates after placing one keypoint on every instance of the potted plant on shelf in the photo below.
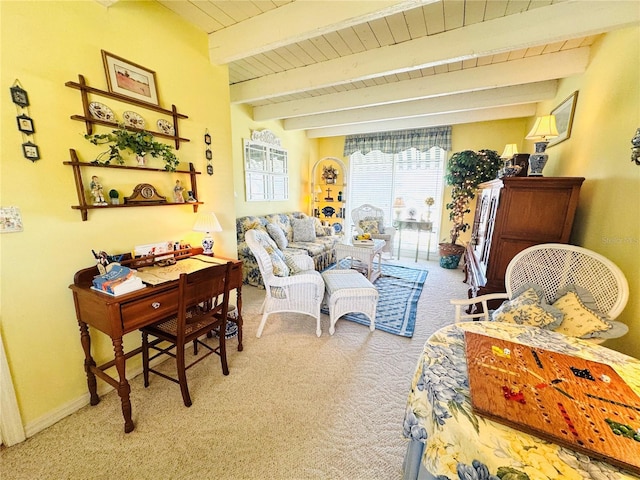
(140, 143)
(465, 171)
(114, 196)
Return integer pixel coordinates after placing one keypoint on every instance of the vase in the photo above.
(450, 255)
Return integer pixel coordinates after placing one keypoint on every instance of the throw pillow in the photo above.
(291, 263)
(579, 321)
(280, 268)
(527, 309)
(369, 225)
(278, 236)
(320, 230)
(304, 229)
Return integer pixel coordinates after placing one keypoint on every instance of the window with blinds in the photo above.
(378, 178)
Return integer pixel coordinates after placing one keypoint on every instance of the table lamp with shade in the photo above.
(544, 129)
(510, 149)
(207, 222)
(398, 205)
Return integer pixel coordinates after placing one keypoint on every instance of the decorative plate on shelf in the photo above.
(328, 211)
(132, 119)
(101, 112)
(165, 127)
(337, 227)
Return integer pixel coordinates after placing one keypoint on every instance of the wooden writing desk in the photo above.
(116, 316)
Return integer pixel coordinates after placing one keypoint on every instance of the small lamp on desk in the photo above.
(207, 222)
(398, 205)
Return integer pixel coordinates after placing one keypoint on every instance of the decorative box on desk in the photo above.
(513, 214)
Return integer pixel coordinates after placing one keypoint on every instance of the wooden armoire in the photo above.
(512, 214)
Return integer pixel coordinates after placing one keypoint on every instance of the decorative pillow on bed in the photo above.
(304, 229)
(369, 225)
(278, 236)
(528, 309)
(579, 321)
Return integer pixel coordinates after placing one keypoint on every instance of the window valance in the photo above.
(395, 142)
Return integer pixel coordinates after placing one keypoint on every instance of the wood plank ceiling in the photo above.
(338, 67)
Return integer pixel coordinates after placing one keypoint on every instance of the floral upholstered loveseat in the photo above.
(294, 233)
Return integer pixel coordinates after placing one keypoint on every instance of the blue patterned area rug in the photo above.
(399, 289)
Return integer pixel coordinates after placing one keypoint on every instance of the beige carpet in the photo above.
(294, 406)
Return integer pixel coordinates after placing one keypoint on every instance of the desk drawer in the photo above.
(149, 310)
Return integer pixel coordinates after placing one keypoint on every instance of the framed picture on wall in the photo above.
(25, 124)
(31, 151)
(130, 79)
(564, 118)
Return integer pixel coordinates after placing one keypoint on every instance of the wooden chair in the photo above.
(197, 315)
(300, 292)
(553, 266)
(367, 214)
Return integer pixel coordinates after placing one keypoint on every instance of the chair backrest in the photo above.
(255, 239)
(553, 266)
(367, 212)
(199, 294)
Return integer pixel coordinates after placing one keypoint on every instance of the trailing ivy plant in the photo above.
(139, 143)
(465, 171)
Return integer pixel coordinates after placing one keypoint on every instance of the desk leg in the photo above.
(239, 319)
(417, 244)
(89, 363)
(123, 386)
(399, 241)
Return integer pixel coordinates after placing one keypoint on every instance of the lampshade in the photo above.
(207, 222)
(510, 149)
(544, 128)
(398, 202)
(318, 189)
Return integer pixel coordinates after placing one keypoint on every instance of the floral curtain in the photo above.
(395, 142)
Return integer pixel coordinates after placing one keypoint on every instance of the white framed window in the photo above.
(266, 169)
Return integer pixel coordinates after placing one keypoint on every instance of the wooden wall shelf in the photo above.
(89, 120)
(84, 206)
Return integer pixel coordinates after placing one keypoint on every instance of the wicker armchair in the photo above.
(298, 292)
(370, 219)
(553, 266)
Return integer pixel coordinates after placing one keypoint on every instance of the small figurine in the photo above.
(96, 191)
(177, 193)
(191, 198)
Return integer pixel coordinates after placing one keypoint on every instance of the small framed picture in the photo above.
(208, 154)
(564, 118)
(129, 79)
(31, 151)
(19, 96)
(25, 124)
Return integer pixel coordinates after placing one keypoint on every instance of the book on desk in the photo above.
(118, 280)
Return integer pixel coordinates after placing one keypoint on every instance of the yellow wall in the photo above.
(606, 117)
(44, 45)
(302, 152)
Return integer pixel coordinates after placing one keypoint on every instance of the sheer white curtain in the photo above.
(378, 178)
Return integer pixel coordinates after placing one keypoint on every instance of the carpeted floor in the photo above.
(294, 406)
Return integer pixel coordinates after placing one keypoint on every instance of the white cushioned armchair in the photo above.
(291, 284)
(370, 219)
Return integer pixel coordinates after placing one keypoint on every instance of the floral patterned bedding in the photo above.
(460, 445)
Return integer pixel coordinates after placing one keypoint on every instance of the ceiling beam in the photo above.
(303, 20)
(516, 72)
(535, 27)
(500, 113)
(495, 97)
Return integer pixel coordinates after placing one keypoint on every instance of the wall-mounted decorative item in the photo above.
(19, 96)
(207, 153)
(564, 118)
(130, 79)
(635, 150)
(31, 151)
(25, 124)
(10, 220)
(265, 167)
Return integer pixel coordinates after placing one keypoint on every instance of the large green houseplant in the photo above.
(140, 143)
(465, 171)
